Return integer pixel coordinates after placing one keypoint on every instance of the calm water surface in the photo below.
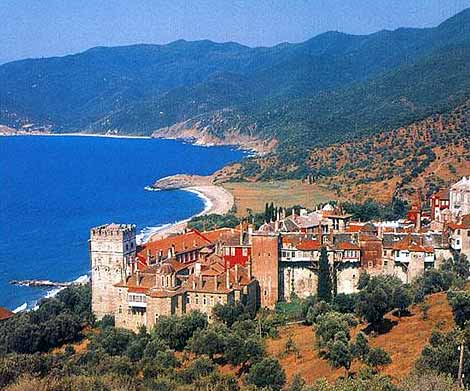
(53, 189)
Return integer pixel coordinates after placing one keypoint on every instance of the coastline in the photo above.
(216, 199)
(76, 135)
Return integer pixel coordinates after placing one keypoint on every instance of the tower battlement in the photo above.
(113, 231)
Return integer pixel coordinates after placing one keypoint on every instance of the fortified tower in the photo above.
(112, 249)
(265, 266)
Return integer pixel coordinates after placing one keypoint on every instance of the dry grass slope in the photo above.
(404, 343)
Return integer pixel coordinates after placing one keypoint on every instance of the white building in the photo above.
(460, 198)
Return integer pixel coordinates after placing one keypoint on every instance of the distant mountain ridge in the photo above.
(327, 89)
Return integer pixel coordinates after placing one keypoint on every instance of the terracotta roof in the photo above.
(5, 314)
(407, 243)
(463, 224)
(182, 243)
(354, 227)
(217, 282)
(369, 228)
(308, 245)
(442, 194)
(222, 235)
(347, 246)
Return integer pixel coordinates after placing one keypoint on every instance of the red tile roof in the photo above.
(347, 246)
(182, 243)
(5, 314)
(309, 245)
(442, 194)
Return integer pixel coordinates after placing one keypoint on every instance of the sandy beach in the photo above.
(217, 200)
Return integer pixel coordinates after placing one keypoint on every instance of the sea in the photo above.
(53, 189)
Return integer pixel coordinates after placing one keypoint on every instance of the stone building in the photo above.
(460, 198)
(176, 288)
(299, 263)
(112, 253)
(459, 235)
(439, 202)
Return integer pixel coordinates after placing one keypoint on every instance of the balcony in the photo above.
(137, 301)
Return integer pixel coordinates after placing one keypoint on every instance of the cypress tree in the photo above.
(324, 277)
(266, 212)
(271, 212)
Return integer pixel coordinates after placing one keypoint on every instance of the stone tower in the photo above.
(265, 266)
(112, 250)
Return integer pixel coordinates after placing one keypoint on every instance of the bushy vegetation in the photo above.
(371, 210)
(60, 346)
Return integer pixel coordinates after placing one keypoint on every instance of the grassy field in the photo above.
(255, 195)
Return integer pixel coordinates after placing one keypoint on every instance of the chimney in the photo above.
(248, 268)
(227, 274)
(418, 221)
(197, 268)
(241, 233)
(201, 281)
(276, 226)
(173, 250)
(250, 233)
(137, 277)
(236, 273)
(149, 254)
(215, 283)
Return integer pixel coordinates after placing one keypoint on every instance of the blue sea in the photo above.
(54, 189)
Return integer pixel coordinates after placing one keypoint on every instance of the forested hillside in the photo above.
(329, 89)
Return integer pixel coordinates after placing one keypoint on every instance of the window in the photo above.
(196, 299)
(204, 300)
(245, 251)
(188, 299)
(232, 251)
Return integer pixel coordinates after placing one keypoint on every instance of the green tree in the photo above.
(267, 373)
(340, 355)
(328, 326)
(460, 302)
(360, 349)
(230, 313)
(402, 299)
(208, 341)
(324, 290)
(377, 357)
(297, 383)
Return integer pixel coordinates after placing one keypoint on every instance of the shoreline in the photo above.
(77, 135)
(217, 200)
(251, 151)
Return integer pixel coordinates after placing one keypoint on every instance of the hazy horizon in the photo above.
(66, 28)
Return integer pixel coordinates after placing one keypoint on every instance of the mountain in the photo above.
(328, 89)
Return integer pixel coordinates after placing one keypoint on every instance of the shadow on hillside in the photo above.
(386, 326)
(403, 314)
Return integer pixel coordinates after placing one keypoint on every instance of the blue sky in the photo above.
(42, 28)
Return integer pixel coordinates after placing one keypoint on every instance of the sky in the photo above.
(44, 28)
